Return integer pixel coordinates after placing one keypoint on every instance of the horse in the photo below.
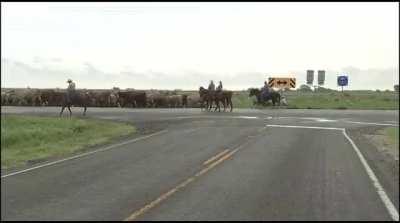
(209, 98)
(218, 96)
(205, 97)
(228, 99)
(274, 96)
(225, 97)
(80, 99)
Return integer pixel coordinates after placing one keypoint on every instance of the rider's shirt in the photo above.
(71, 86)
(265, 89)
(211, 87)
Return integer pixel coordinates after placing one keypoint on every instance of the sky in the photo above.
(185, 45)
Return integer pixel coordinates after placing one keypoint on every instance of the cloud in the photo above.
(88, 75)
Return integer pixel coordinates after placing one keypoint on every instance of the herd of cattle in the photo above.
(102, 98)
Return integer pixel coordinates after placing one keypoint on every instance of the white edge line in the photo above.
(247, 117)
(84, 154)
(381, 192)
(354, 122)
(304, 127)
(191, 130)
(371, 123)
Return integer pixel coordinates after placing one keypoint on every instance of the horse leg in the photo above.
(218, 106)
(62, 110)
(70, 112)
(279, 100)
(84, 111)
(231, 105)
(225, 104)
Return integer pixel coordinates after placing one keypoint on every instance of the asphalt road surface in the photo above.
(191, 165)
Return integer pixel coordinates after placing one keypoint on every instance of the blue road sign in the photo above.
(342, 80)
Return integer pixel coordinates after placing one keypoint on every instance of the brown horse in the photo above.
(80, 99)
(205, 97)
(228, 99)
(274, 96)
(217, 96)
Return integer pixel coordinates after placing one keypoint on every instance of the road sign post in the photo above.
(310, 77)
(321, 77)
(342, 81)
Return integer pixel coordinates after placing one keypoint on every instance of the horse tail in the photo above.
(279, 99)
(229, 99)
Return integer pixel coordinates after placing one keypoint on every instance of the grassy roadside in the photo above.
(329, 100)
(392, 134)
(29, 138)
(387, 140)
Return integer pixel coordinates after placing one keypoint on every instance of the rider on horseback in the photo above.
(265, 91)
(70, 90)
(219, 88)
(211, 86)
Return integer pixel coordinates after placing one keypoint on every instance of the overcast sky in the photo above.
(184, 45)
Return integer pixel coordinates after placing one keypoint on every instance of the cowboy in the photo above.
(70, 90)
(211, 86)
(265, 91)
(219, 88)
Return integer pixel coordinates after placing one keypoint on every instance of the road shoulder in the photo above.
(383, 163)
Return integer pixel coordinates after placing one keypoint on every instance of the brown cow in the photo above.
(184, 100)
(10, 98)
(157, 100)
(32, 97)
(16, 97)
(177, 101)
(4, 98)
(52, 97)
(193, 101)
(101, 98)
(136, 98)
(113, 99)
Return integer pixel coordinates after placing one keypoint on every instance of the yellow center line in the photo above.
(205, 170)
(164, 196)
(175, 189)
(215, 157)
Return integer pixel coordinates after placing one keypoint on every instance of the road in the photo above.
(190, 165)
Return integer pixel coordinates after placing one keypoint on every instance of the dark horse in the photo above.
(225, 97)
(274, 96)
(80, 99)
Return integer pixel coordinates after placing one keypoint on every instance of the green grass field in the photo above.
(329, 100)
(28, 138)
(393, 135)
